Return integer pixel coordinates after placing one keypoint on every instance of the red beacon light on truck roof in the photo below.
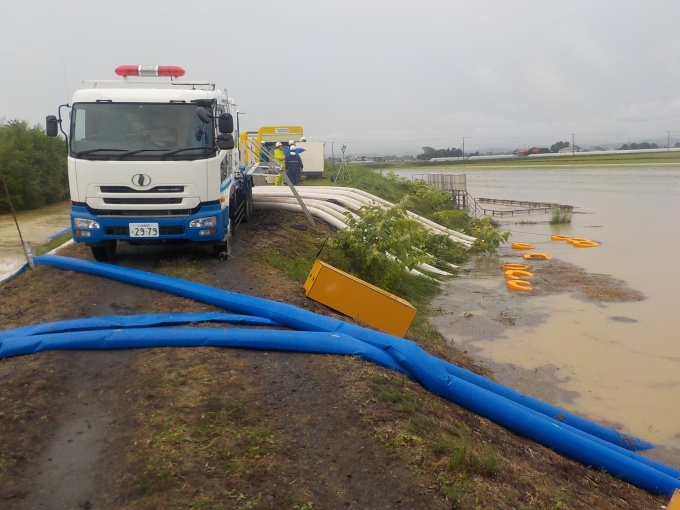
(171, 71)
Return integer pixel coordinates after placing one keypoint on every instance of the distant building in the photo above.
(575, 148)
(533, 150)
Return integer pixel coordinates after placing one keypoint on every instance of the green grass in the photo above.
(560, 217)
(389, 392)
(153, 479)
(365, 179)
(311, 243)
(53, 243)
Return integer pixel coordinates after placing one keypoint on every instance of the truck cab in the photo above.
(153, 161)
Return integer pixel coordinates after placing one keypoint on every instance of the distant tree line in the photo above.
(635, 146)
(556, 147)
(33, 166)
(429, 153)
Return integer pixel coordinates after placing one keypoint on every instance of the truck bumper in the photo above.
(93, 229)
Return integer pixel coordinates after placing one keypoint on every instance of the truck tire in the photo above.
(222, 251)
(249, 204)
(104, 252)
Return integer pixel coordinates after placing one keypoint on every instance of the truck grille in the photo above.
(144, 214)
(145, 201)
(127, 189)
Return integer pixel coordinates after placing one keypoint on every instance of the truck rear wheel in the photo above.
(249, 202)
(104, 252)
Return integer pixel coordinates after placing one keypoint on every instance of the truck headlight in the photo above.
(85, 223)
(209, 221)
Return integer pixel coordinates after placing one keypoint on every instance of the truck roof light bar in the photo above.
(171, 71)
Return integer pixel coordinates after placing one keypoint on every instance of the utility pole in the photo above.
(25, 245)
(573, 147)
(463, 147)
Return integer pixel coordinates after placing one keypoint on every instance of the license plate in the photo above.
(143, 229)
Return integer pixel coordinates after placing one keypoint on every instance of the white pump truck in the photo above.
(153, 160)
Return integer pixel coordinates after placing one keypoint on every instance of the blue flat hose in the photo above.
(572, 436)
(137, 321)
(262, 339)
(123, 332)
(299, 319)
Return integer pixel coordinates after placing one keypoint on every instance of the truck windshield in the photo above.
(139, 131)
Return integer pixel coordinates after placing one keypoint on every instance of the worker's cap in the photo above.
(292, 147)
(303, 139)
(291, 142)
(278, 144)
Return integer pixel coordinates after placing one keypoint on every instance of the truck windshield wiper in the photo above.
(131, 153)
(92, 151)
(177, 151)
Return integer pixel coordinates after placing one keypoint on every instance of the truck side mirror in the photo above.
(51, 125)
(225, 123)
(225, 141)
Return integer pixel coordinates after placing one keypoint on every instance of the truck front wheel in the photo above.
(222, 251)
(103, 252)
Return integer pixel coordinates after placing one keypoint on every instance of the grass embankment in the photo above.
(472, 470)
(53, 243)
(399, 240)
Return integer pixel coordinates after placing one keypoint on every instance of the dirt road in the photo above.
(211, 428)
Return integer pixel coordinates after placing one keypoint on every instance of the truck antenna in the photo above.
(65, 85)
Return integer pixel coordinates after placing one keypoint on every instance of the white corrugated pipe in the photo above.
(328, 218)
(333, 209)
(269, 191)
(354, 199)
(331, 218)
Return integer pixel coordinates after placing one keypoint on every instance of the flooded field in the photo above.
(617, 363)
(36, 227)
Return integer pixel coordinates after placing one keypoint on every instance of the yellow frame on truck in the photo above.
(266, 134)
(250, 143)
(282, 134)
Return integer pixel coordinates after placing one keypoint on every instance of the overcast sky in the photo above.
(381, 76)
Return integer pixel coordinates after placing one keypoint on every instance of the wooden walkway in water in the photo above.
(517, 207)
(456, 186)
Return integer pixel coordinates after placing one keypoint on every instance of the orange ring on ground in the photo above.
(535, 256)
(518, 285)
(573, 240)
(522, 246)
(516, 274)
(559, 238)
(511, 266)
(585, 244)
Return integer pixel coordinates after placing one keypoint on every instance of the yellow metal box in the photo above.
(358, 299)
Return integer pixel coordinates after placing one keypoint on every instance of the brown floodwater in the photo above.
(36, 227)
(618, 363)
